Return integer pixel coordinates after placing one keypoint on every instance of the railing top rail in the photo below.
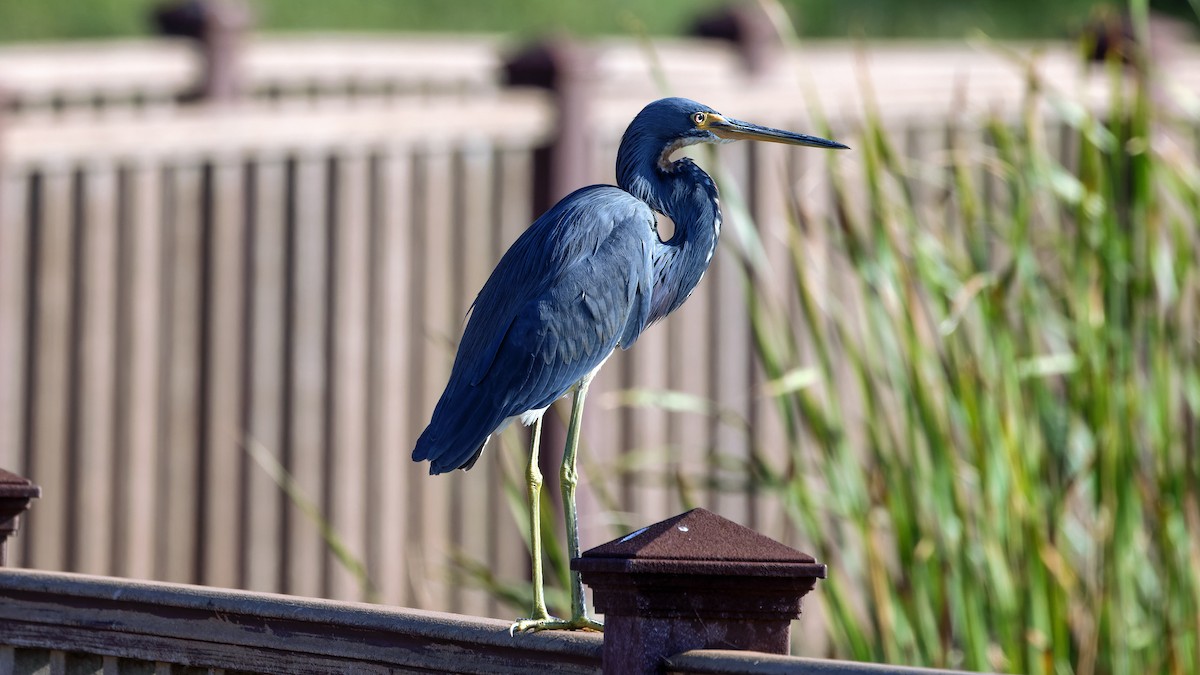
(517, 118)
(36, 70)
(31, 71)
(905, 77)
(902, 82)
(265, 632)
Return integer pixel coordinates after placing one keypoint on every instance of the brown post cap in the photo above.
(15, 494)
(695, 581)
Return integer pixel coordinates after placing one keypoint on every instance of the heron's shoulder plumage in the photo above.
(571, 232)
(563, 296)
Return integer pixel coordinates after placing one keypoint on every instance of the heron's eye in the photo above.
(699, 118)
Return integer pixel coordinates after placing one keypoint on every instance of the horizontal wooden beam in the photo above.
(260, 632)
(522, 119)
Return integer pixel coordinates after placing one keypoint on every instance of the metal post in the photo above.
(15, 494)
(219, 27)
(695, 581)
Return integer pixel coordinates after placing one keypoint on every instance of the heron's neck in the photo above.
(688, 196)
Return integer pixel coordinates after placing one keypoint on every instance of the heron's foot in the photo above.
(552, 623)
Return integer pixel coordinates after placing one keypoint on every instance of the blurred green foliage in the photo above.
(71, 19)
(996, 431)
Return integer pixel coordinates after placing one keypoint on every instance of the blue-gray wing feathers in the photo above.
(572, 288)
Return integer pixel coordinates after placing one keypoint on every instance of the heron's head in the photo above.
(668, 124)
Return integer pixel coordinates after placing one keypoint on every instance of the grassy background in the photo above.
(1020, 491)
(67, 19)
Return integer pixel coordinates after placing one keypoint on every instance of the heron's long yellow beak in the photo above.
(736, 130)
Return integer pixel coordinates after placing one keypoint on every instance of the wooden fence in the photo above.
(179, 291)
(245, 279)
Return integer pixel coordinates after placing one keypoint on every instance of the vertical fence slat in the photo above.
(647, 364)
(347, 467)
(308, 371)
(97, 377)
(768, 203)
(223, 454)
(179, 450)
(138, 510)
(388, 552)
(437, 330)
(15, 268)
(47, 526)
(476, 227)
(261, 542)
(14, 284)
(732, 351)
(691, 356)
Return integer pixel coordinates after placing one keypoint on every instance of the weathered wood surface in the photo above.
(203, 627)
(72, 623)
(730, 662)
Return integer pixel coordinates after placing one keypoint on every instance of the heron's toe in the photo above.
(586, 623)
(552, 623)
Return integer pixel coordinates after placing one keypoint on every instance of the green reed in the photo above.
(997, 450)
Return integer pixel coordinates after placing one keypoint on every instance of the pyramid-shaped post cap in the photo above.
(695, 581)
(699, 542)
(15, 494)
(698, 562)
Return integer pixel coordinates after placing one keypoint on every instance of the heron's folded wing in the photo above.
(541, 259)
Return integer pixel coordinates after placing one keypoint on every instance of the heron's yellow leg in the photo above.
(533, 478)
(569, 479)
(541, 619)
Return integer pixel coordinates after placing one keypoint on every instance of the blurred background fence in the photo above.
(286, 272)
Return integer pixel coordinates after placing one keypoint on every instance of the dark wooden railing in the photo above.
(671, 607)
(81, 622)
(66, 623)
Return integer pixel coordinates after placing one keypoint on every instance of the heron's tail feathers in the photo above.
(444, 457)
(454, 441)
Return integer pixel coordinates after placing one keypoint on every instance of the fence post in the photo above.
(219, 26)
(566, 70)
(15, 494)
(695, 581)
(753, 32)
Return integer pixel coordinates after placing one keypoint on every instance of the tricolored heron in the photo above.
(587, 277)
